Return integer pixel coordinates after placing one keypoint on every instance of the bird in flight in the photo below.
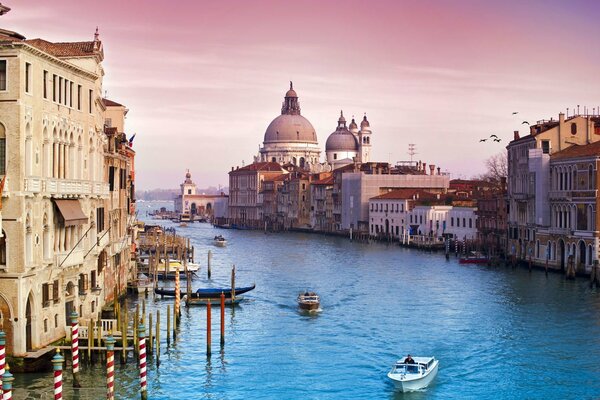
(482, 140)
(515, 112)
(497, 140)
(524, 122)
(494, 136)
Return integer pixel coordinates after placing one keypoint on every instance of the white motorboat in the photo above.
(220, 241)
(309, 301)
(415, 375)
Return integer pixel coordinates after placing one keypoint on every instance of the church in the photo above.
(291, 139)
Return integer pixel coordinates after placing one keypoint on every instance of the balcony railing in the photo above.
(65, 187)
(64, 259)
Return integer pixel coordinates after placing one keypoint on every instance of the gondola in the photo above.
(205, 293)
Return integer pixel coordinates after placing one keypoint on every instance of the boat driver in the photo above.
(409, 360)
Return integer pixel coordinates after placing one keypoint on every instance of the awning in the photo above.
(71, 212)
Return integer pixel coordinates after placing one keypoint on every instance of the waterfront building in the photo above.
(461, 223)
(390, 213)
(290, 138)
(492, 208)
(293, 201)
(373, 179)
(573, 204)
(245, 184)
(321, 203)
(268, 197)
(529, 176)
(198, 205)
(117, 261)
(52, 144)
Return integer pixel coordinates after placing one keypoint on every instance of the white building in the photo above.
(347, 145)
(461, 223)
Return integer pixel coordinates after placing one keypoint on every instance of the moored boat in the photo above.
(207, 293)
(309, 301)
(173, 266)
(416, 373)
(474, 257)
(195, 301)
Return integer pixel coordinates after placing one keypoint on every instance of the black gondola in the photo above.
(206, 293)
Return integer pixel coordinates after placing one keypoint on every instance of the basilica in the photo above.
(291, 139)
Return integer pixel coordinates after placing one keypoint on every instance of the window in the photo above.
(189, 191)
(60, 85)
(335, 156)
(91, 95)
(45, 86)
(100, 219)
(451, 221)
(27, 77)
(55, 294)
(45, 295)
(123, 179)
(83, 283)
(93, 279)
(111, 178)
(53, 87)
(464, 222)
(108, 122)
(2, 150)
(546, 146)
(66, 91)
(470, 223)
(56, 320)
(573, 128)
(79, 97)
(70, 94)
(2, 74)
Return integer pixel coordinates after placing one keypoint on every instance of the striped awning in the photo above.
(71, 212)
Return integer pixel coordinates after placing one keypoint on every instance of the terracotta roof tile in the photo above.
(65, 49)
(402, 194)
(588, 150)
(324, 181)
(261, 166)
(110, 103)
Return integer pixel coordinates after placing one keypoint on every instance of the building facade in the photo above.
(195, 205)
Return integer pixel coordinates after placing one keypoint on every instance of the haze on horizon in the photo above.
(204, 79)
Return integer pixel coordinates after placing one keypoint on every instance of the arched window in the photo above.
(28, 151)
(91, 159)
(46, 239)
(2, 150)
(79, 168)
(573, 128)
(28, 241)
(3, 248)
(591, 177)
(70, 171)
(590, 253)
(46, 155)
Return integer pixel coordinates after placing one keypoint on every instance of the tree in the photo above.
(496, 168)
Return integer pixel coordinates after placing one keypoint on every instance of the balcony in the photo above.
(560, 231)
(65, 187)
(65, 260)
(569, 195)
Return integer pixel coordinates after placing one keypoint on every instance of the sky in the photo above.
(203, 79)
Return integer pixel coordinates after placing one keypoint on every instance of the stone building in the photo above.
(529, 176)
(321, 203)
(52, 146)
(196, 205)
(347, 145)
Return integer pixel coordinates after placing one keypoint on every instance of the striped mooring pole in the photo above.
(57, 362)
(75, 348)
(2, 355)
(110, 367)
(7, 380)
(142, 356)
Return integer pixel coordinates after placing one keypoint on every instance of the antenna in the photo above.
(412, 150)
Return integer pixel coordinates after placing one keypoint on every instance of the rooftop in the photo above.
(575, 151)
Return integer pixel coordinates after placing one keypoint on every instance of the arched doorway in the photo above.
(582, 254)
(193, 209)
(387, 226)
(29, 324)
(561, 254)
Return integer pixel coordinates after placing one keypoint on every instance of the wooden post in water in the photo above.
(90, 342)
(232, 286)
(174, 323)
(144, 311)
(208, 264)
(177, 305)
(150, 345)
(168, 325)
(136, 324)
(222, 319)
(157, 338)
(208, 328)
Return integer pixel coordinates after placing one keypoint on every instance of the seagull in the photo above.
(482, 140)
(497, 140)
(524, 122)
(515, 112)
(494, 136)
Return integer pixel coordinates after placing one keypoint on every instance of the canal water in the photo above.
(498, 333)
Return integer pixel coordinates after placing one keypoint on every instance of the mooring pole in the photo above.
(75, 349)
(222, 319)
(208, 328)
(142, 358)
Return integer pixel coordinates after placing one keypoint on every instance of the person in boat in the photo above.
(409, 360)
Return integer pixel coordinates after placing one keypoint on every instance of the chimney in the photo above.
(431, 169)
(439, 171)
(516, 135)
(425, 168)
(232, 168)
(561, 118)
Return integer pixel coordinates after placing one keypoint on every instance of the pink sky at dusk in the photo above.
(203, 79)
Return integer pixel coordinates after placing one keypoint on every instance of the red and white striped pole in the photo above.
(57, 362)
(110, 367)
(75, 348)
(142, 355)
(2, 355)
(7, 379)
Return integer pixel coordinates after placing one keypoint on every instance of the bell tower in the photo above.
(364, 140)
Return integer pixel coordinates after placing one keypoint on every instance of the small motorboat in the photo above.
(173, 266)
(413, 374)
(143, 284)
(474, 257)
(309, 301)
(183, 224)
(220, 241)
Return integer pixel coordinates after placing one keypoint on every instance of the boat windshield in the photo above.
(407, 369)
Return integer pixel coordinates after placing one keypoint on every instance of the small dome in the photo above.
(353, 125)
(290, 128)
(342, 139)
(365, 122)
(291, 93)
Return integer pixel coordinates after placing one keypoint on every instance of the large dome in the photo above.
(290, 128)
